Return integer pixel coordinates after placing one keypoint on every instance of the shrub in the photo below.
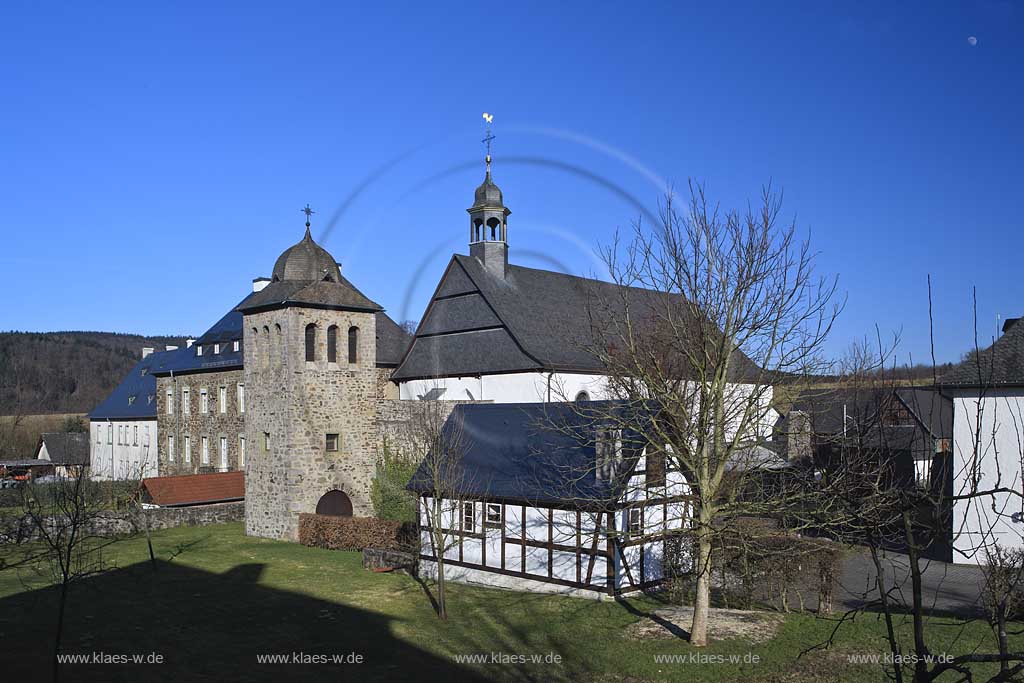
(756, 559)
(356, 533)
(388, 494)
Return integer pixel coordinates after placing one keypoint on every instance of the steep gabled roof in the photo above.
(66, 448)
(135, 397)
(1001, 364)
(478, 323)
(195, 489)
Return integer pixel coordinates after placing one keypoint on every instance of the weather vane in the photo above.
(309, 212)
(489, 118)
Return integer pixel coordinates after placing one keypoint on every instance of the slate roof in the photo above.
(392, 341)
(533, 453)
(532, 320)
(135, 397)
(933, 410)
(1001, 364)
(195, 489)
(66, 448)
(341, 295)
(930, 416)
(186, 359)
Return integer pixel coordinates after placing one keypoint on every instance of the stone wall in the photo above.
(129, 522)
(214, 425)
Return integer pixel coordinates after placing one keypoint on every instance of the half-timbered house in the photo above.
(547, 497)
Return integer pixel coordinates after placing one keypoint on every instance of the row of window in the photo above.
(127, 435)
(313, 353)
(492, 515)
(493, 518)
(204, 450)
(332, 343)
(204, 400)
(235, 346)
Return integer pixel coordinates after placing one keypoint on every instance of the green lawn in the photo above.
(219, 598)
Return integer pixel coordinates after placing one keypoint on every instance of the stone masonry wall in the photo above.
(129, 522)
(293, 404)
(213, 424)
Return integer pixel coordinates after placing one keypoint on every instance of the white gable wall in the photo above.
(130, 459)
(541, 387)
(995, 423)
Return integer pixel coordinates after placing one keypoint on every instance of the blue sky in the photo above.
(155, 156)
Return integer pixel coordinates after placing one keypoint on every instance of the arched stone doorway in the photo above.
(334, 503)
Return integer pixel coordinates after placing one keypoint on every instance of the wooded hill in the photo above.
(66, 372)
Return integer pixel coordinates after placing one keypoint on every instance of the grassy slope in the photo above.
(220, 597)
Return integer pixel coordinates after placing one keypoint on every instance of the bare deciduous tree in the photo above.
(435, 435)
(64, 513)
(714, 310)
(858, 489)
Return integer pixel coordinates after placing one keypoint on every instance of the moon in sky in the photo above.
(972, 41)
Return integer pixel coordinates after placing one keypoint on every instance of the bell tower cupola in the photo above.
(488, 221)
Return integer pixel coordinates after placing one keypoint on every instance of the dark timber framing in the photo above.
(620, 574)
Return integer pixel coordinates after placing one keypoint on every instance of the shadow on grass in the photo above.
(206, 626)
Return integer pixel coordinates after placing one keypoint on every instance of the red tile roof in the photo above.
(195, 489)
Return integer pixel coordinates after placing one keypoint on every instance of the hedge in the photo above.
(356, 533)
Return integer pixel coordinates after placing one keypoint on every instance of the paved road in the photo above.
(954, 588)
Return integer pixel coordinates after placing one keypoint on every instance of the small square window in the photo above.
(266, 441)
(199, 349)
(236, 346)
(493, 519)
(216, 348)
(332, 442)
(468, 517)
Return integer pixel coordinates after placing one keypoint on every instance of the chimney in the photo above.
(796, 436)
(259, 283)
(189, 343)
(1008, 323)
(146, 350)
(170, 347)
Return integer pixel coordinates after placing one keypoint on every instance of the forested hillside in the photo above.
(66, 372)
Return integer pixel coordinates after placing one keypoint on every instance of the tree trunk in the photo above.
(60, 629)
(702, 600)
(921, 649)
(883, 597)
(149, 537)
(442, 606)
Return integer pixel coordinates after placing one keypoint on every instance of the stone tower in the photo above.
(310, 378)
(488, 226)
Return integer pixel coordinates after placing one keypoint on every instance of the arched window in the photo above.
(478, 229)
(332, 344)
(493, 224)
(311, 342)
(353, 344)
(334, 503)
(265, 355)
(582, 396)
